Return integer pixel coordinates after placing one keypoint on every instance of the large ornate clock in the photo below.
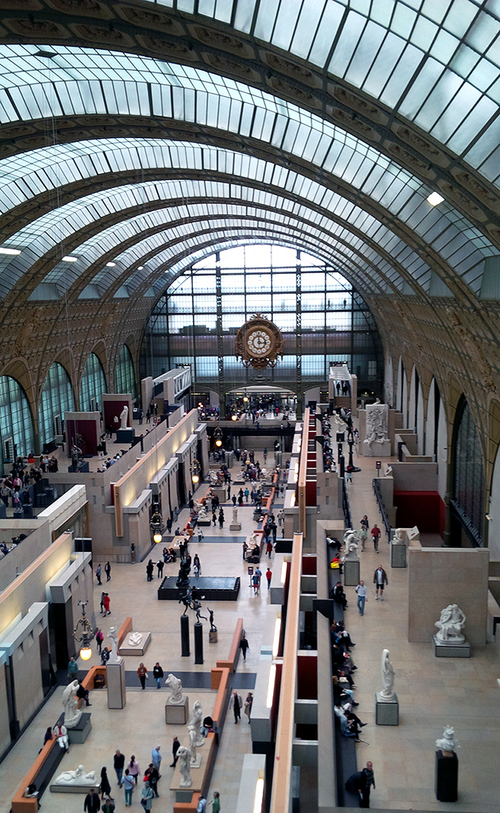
(259, 343)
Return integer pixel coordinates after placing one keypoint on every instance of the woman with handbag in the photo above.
(147, 796)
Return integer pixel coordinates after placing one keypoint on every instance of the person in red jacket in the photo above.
(375, 532)
(106, 601)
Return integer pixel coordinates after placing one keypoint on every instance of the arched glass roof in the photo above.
(436, 62)
(396, 193)
(434, 67)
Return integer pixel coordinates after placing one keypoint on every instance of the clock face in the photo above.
(258, 342)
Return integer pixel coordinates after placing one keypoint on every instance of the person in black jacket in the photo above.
(92, 803)
(157, 674)
(175, 747)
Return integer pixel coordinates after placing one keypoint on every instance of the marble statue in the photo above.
(194, 760)
(447, 741)
(450, 625)
(387, 676)
(195, 723)
(376, 423)
(135, 639)
(397, 539)
(235, 516)
(175, 686)
(124, 417)
(78, 777)
(184, 756)
(113, 636)
(70, 702)
(351, 540)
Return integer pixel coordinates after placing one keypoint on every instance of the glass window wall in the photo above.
(321, 317)
(92, 385)
(56, 399)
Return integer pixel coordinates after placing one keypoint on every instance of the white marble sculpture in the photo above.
(387, 676)
(113, 636)
(235, 516)
(351, 540)
(397, 539)
(184, 755)
(124, 417)
(376, 423)
(195, 723)
(195, 759)
(70, 702)
(447, 742)
(78, 777)
(175, 686)
(135, 639)
(450, 625)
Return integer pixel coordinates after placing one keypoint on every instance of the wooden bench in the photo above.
(345, 758)
(44, 766)
(220, 680)
(234, 653)
(40, 774)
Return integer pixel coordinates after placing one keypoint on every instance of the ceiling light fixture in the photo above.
(435, 198)
(140, 267)
(110, 265)
(12, 251)
(69, 259)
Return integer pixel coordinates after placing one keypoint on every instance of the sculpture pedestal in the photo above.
(128, 649)
(204, 522)
(125, 435)
(221, 493)
(398, 555)
(235, 526)
(450, 650)
(446, 776)
(386, 710)
(351, 572)
(197, 762)
(80, 732)
(377, 448)
(115, 681)
(212, 637)
(177, 713)
(54, 788)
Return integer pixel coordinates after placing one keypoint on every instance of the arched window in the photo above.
(92, 385)
(57, 398)
(468, 476)
(16, 422)
(124, 372)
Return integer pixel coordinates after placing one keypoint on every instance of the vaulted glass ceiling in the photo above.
(437, 67)
(436, 62)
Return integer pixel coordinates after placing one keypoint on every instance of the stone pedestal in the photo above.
(73, 788)
(377, 448)
(115, 681)
(212, 637)
(386, 710)
(204, 522)
(221, 493)
(398, 555)
(450, 650)
(446, 776)
(125, 435)
(128, 649)
(80, 732)
(177, 713)
(351, 572)
(235, 526)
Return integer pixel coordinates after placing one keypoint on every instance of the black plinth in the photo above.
(198, 642)
(446, 777)
(185, 652)
(212, 588)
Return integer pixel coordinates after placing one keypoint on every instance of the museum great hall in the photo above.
(212, 210)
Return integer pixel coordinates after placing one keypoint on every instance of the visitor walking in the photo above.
(375, 532)
(380, 580)
(142, 673)
(362, 592)
(235, 704)
(244, 645)
(107, 570)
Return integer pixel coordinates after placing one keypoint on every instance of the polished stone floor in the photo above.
(432, 692)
